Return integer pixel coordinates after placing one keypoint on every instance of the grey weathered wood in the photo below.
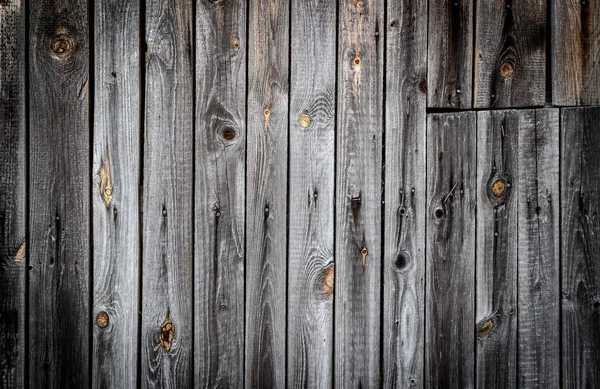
(450, 54)
(311, 194)
(59, 247)
(580, 247)
(510, 54)
(538, 239)
(404, 211)
(220, 193)
(12, 195)
(575, 52)
(450, 279)
(358, 194)
(266, 193)
(116, 173)
(498, 170)
(167, 194)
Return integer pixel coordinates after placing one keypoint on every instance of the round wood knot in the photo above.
(167, 333)
(305, 120)
(102, 319)
(438, 213)
(267, 112)
(228, 134)
(498, 188)
(61, 47)
(401, 261)
(484, 329)
(235, 42)
(507, 69)
(356, 63)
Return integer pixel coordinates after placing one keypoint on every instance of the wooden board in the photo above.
(266, 193)
(538, 236)
(358, 194)
(168, 177)
(59, 201)
(576, 52)
(450, 276)
(220, 193)
(510, 54)
(311, 272)
(580, 201)
(450, 54)
(115, 203)
(404, 210)
(12, 195)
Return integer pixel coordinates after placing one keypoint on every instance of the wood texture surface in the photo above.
(115, 201)
(60, 211)
(167, 195)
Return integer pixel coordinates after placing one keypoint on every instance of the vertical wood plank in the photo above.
(580, 201)
(451, 203)
(404, 227)
(220, 192)
(538, 239)
(576, 52)
(59, 299)
(266, 193)
(167, 242)
(450, 54)
(311, 271)
(358, 197)
(12, 195)
(510, 54)
(116, 169)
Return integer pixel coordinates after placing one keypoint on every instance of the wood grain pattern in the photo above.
(311, 273)
(450, 54)
(266, 193)
(580, 201)
(59, 247)
(404, 211)
(358, 195)
(538, 238)
(167, 243)
(576, 52)
(115, 203)
(510, 54)
(450, 275)
(13, 248)
(220, 192)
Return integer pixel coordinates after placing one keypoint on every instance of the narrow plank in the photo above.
(266, 193)
(12, 195)
(450, 276)
(311, 271)
(115, 203)
(580, 201)
(498, 171)
(450, 54)
(510, 54)
(220, 193)
(167, 222)
(538, 239)
(60, 212)
(405, 196)
(358, 194)
(576, 52)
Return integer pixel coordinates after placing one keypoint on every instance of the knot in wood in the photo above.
(167, 332)
(498, 188)
(102, 319)
(507, 69)
(356, 63)
(235, 42)
(305, 121)
(484, 329)
(228, 134)
(61, 47)
(21, 253)
(327, 280)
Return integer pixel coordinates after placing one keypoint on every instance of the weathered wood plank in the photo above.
(510, 54)
(167, 243)
(404, 210)
(358, 198)
(266, 193)
(311, 194)
(450, 279)
(12, 195)
(538, 239)
(59, 247)
(450, 54)
(220, 192)
(115, 203)
(575, 52)
(580, 247)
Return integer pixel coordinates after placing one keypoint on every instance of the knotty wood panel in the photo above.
(167, 243)
(12, 195)
(60, 212)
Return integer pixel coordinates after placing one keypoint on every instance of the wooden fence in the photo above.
(299, 193)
